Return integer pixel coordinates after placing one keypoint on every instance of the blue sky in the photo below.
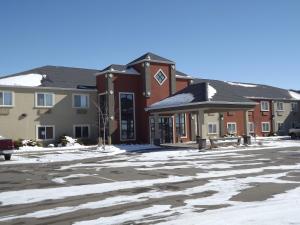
(250, 41)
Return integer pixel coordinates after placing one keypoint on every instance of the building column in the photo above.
(110, 105)
(156, 130)
(222, 125)
(247, 137)
(200, 124)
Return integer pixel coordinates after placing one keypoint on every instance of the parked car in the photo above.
(6, 147)
(294, 132)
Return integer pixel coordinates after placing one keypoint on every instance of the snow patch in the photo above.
(294, 95)
(28, 80)
(211, 91)
(241, 84)
(175, 100)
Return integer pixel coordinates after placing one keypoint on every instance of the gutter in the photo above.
(47, 88)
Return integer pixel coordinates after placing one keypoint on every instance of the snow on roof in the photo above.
(211, 91)
(294, 95)
(28, 80)
(175, 100)
(241, 84)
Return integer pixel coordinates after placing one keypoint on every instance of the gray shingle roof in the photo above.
(117, 68)
(149, 56)
(252, 91)
(63, 77)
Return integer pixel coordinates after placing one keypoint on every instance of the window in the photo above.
(181, 124)
(80, 101)
(160, 77)
(294, 106)
(81, 131)
(45, 132)
(265, 126)
(251, 127)
(212, 128)
(127, 122)
(280, 106)
(280, 126)
(231, 128)
(264, 105)
(6, 98)
(44, 99)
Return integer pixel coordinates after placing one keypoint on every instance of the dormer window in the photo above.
(160, 77)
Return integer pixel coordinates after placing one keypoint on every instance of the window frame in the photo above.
(261, 106)
(235, 127)
(295, 109)
(185, 125)
(278, 109)
(12, 99)
(279, 128)
(81, 125)
(214, 124)
(262, 127)
(37, 132)
(80, 107)
(120, 117)
(44, 93)
(160, 83)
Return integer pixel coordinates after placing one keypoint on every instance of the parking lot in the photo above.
(229, 186)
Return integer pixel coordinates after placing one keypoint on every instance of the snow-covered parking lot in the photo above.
(253, 185)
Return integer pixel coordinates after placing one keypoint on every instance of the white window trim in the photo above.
(13, 99)
(134, 121)
(251, 131)
(160, 70)
(280, 110)
(261, 108)
(235, 127)
(262, 126)
(212, 124)
(37, 132)
(36, 99)
(88, 101)
(297, 107)
(82, 125)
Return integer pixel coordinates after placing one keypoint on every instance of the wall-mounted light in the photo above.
(111, 92)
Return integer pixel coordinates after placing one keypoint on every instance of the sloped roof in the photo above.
(247, 90)
(63, 77)
(117, 68)
(149, 56)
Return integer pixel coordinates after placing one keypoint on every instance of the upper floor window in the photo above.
(127, 120)
(181, 124)
(160, 77)
(294, 106)
(264, 105)
(6, 98)
(44, 100)
(280, 106)
(212, 128)
(80, 101)
(231, 128)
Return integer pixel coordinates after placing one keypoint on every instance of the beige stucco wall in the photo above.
(287, 116)
(63, 116)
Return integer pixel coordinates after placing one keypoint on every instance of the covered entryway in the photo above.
(166, 129)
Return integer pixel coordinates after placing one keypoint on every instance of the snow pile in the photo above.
(211, 91)
(71, 141)
(28, 80)
(294, 95)
(175, 100)
(241, 84)
(118, 149)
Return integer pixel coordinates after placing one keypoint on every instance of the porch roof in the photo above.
(202, 96)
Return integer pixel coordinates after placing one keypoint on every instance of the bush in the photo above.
(18, 143)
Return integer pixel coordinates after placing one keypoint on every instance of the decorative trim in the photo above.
(166, 77)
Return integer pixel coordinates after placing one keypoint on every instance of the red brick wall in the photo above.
(256, 116)
(181, 84)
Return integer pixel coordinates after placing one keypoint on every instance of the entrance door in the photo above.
(165, 129)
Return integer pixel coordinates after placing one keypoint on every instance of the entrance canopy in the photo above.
(202, 98)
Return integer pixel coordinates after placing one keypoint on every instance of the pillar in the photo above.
(110, 105)
(247, 137)
(156, 130)
(200, 124)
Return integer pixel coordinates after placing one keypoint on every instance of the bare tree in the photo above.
(103, 119)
